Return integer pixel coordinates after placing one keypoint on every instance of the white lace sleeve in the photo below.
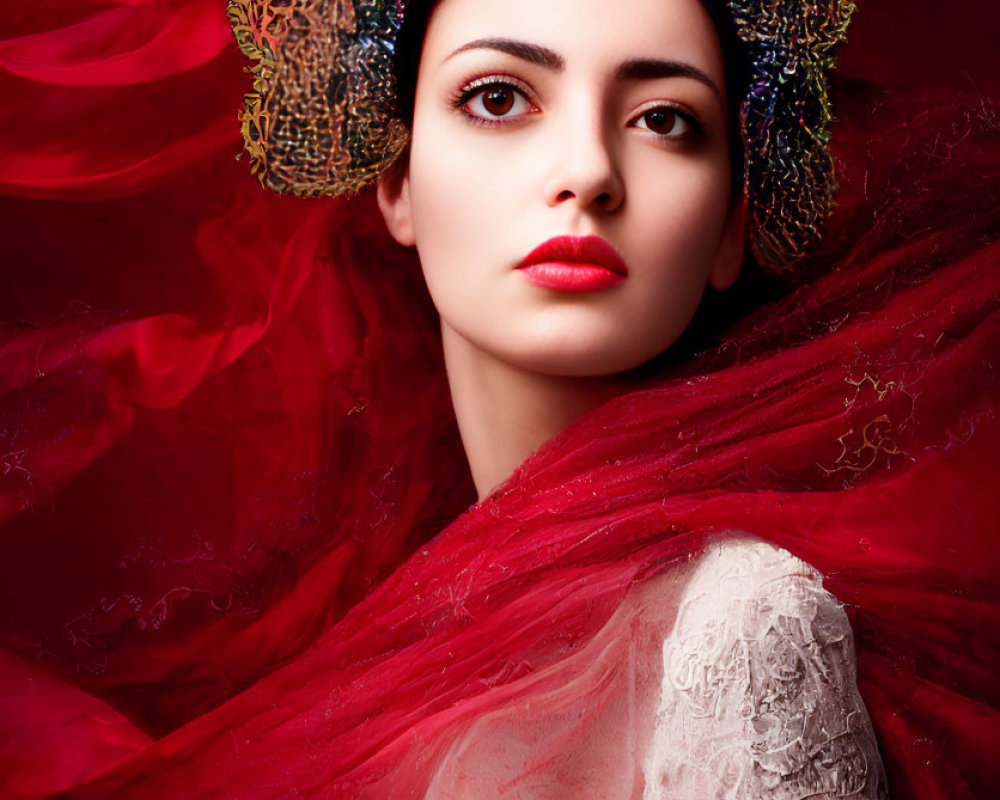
(759, 696)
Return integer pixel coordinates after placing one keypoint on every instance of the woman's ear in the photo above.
(732, 247)
(394, 201)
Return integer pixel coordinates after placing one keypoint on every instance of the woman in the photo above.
(583, 122)
(633, 177)
(530, 621)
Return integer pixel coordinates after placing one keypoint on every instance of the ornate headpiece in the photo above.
(322, 118)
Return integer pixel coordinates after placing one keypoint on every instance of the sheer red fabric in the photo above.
(227, 452)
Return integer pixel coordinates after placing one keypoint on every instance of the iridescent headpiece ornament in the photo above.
(322, 118)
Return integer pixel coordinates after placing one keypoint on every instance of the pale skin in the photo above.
(580, 152)
(536, 119)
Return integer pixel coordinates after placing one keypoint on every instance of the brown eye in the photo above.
(498, 101)
(660, 120)
(664, 121)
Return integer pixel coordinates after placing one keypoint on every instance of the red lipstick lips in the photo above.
(574, 264)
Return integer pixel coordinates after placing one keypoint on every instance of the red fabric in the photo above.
(226, 444)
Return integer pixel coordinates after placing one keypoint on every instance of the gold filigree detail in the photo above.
(875, 440)
(320, 119)
(881, 388)
(872, 435)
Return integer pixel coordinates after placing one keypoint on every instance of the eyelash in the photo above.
(476, 87)
(695, 128)
(469, 91)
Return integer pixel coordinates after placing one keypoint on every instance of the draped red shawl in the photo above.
(228, 460)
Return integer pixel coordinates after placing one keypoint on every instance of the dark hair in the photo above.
(409, 46)
(410, 43)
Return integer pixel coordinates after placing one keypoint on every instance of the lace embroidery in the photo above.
(759, 695)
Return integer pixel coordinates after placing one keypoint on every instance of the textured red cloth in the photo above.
(226, 442)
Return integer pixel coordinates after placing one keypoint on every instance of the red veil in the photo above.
(228, 462)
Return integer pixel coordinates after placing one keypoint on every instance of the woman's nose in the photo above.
(584, 168)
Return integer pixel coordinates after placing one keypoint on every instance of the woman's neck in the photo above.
(506, 413)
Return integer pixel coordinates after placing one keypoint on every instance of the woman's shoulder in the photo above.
(758, 692)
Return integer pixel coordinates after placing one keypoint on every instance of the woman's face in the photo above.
(573, 124)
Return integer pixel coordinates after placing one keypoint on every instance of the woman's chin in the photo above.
(580, 361)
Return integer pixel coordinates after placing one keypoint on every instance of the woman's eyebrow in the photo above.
(534, 53)
(651, 68)
(633, 69)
